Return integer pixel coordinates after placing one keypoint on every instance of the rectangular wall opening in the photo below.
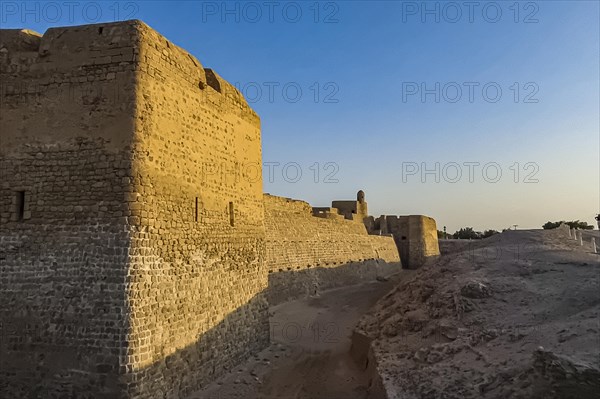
(196, 212)
(20, 204)
(231, 214)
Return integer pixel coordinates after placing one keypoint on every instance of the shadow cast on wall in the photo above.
(51, 305)
(293, 284)
(65, 372)
(193, 367)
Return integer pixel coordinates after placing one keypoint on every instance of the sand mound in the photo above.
(514, 316)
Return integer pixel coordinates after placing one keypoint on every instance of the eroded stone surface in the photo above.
(136, 247)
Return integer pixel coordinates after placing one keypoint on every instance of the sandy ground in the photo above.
(512, 316)
(309, 355)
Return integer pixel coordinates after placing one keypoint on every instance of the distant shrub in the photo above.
(580, 225)
(576, 224)
(466, 233)
(551, 225)
(489, 233)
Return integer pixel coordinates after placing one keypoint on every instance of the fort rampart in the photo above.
(127, 269)
(306, 254)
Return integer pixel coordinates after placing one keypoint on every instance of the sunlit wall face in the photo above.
(482, 115)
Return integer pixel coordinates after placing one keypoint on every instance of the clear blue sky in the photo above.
(362, 67)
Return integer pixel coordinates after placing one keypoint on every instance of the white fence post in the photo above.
(581, 238)
(594, 245)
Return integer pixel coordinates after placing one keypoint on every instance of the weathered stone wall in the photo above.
(197, 274)
(133, 255)
(415, 236)
(66, 110)
(136, 266)
(306, 254)
(351, 210)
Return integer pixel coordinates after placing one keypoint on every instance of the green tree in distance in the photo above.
(575, 224)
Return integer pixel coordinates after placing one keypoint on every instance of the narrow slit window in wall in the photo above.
(20, 204)
(231, 216)
(196, 212)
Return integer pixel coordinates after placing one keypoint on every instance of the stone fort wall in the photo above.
(134, 259)
(415, 236)
(67, 103)
(132, 249)
(306, 254)
(197, 272)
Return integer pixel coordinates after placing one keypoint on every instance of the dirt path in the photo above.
(309, 355)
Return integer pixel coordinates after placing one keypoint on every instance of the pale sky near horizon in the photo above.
(372, 93)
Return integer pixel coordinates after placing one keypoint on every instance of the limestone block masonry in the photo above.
(130, 266)
(415, 236)
(306, 254)
(133, 262)
(68, 101)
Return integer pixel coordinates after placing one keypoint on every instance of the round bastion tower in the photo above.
(361, 205)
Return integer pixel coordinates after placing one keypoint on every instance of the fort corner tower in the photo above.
(138, 254)
(132, 226)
